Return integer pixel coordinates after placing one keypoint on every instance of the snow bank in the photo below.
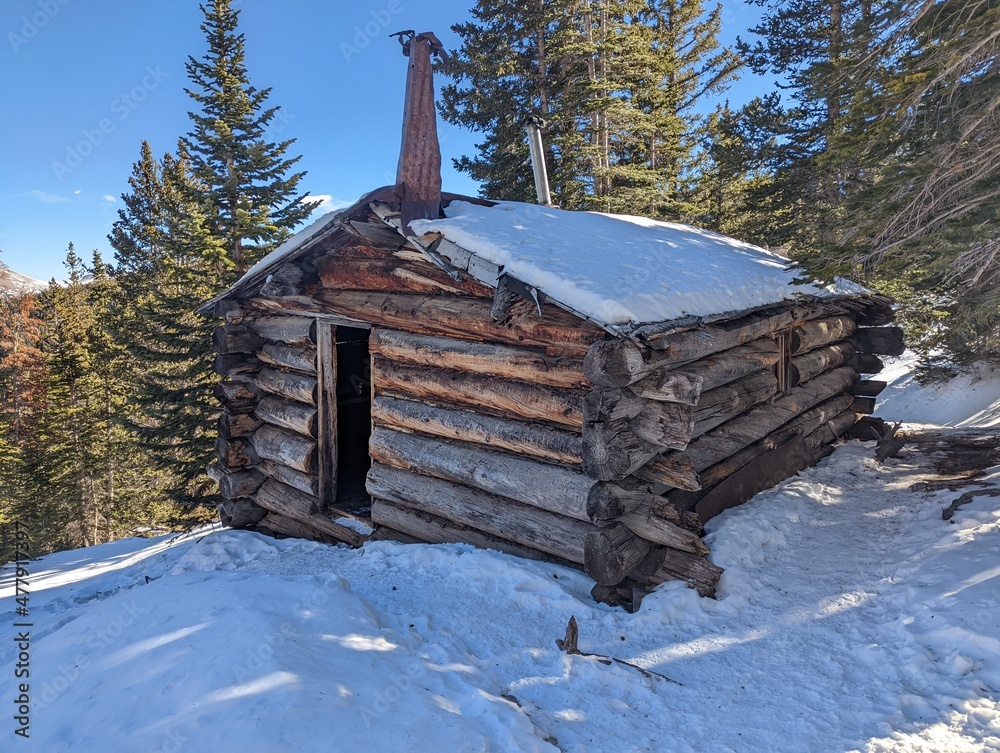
(850, 617)
(968, 401)
(617, 269)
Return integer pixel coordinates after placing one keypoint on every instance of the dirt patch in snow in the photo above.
(958, 456)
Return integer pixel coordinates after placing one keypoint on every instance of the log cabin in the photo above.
(575, 387)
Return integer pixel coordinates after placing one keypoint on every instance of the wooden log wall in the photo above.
(702, 420)
(269, 442)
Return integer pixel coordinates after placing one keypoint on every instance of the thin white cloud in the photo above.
(78, 191)
(328, 203)
(47, 198)
(109, 197)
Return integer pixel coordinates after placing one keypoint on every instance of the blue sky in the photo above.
(84, 81)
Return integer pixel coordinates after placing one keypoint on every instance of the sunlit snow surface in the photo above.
(970, 400)
(850, 617)
(617, 269)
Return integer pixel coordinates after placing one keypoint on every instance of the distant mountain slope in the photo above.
(15, 282)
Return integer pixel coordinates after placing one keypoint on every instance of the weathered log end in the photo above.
(614, 363)
(611, 553)
(882, 341)
(240, 513)
(666, 564)
(608, 501)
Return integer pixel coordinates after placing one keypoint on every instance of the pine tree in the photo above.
(173, 264)
(743, 193)
(807, 44)
(253, 200)
(22, 399)
(921, 135)
(67, 428)
(619, 83)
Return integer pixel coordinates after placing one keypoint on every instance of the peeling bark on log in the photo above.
(511, 362)
(235, 338)
(646, 522)
(550, 487)
(237, 425)
(237, 397)
(666, 429)
(692, 345)
(227, 364)
(287, 414)
(523, 524)
(493, 395)
(616, 363)
(672, 564)
(535, 440)
(300, 358)
(292, 503)
(284, 447)
(723, 403)
(620, 404)
(815, 334)
(393, 275)
(612, 553)
(286, 329)
(235, 453)
(883, 341)
(463, 317)
(304, 482)
(285, 384)
(669, 386)
(435, 530)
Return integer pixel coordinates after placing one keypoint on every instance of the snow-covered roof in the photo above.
(618, 271)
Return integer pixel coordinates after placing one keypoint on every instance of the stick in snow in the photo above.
(569, 645)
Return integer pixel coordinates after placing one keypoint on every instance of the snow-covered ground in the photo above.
(971, 400)
(850, 617)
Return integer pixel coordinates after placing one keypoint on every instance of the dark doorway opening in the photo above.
(354, 418)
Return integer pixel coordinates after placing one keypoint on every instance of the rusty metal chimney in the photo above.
(418, 177)
(534, 125)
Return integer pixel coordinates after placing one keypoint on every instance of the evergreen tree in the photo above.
(67, 429)
(22, 400)
(619, 83)
(807, 43)
(925, 137)
(253, 200)
(173, 264)
(743, 192)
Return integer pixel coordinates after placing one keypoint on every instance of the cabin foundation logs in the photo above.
(540, 437)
